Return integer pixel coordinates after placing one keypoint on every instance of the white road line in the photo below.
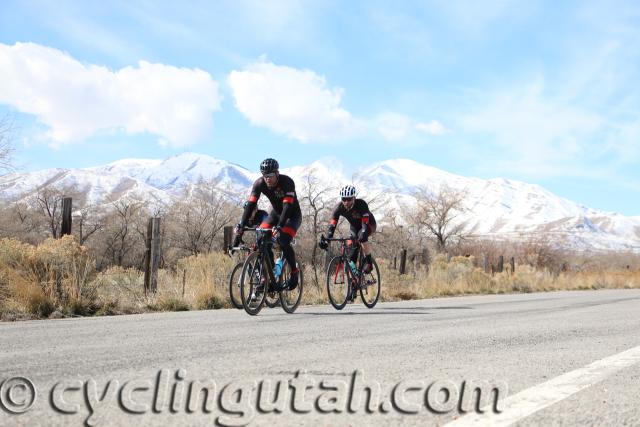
(533, 399)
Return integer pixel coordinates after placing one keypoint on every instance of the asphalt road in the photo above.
(411, 349)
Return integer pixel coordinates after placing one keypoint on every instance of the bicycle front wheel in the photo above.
(338, 282)
(253, 284)
(290, 298)
(370, 286)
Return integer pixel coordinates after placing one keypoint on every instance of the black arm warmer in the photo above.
(248, 208)
(286, 212)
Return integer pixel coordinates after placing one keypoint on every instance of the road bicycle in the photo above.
(259, 279)
(244, 250)
(346, 278)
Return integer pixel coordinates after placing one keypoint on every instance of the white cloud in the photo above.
(434, 127)
(293, 102)
(399, 127)
(299, 104)
(76, 100)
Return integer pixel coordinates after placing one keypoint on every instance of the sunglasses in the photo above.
(348, 199)
(270, 175)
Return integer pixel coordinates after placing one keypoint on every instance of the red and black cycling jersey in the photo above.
(358, 215)
(282, 197)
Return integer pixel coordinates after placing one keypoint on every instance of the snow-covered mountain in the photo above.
(502, 208)
(497, 208)
(179, 171)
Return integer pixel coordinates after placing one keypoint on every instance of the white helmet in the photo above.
(348, 191)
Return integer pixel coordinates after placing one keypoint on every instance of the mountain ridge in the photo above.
(496, 207)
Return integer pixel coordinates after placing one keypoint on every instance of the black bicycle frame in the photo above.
(265, 245)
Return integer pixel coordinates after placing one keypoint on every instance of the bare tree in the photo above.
(199, 217)
(312, 196)
(437, 214)
(89, 221)
(120, 232)
(394, 235)
(18, 220)
(540, 252)
(48, 203)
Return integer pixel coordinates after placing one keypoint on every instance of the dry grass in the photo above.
(198, 282)
(38, 280)
(460, 277)
(57, 278)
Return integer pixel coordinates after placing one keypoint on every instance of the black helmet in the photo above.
(269, 166)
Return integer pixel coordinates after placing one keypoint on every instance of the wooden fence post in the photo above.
(395, 262)
(152, 256)
(512, 261)
(65, 228)
(147, 256)
(184, 280)
(403, 261)
(227, 233)
(500, 264)
(155, 254)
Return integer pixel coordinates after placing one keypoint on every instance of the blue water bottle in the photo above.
(277, 269)
(354, 269)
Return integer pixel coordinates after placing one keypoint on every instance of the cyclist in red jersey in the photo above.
(285, 216)
(361, 221)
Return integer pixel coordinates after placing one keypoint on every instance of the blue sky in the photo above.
(543, 92)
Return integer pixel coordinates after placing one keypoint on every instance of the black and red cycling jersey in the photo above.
(358, 215)
(282, 197)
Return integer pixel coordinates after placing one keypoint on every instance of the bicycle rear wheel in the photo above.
(253, 284)
(234, 286)
(370, 286)
(290, 299)
(338, 282)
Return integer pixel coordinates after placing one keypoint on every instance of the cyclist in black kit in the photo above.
(361, 221)
(285, 216)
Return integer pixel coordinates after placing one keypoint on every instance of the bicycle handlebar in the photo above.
(245, 228)
(239, 248)
(337, 239)
(264, 230)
